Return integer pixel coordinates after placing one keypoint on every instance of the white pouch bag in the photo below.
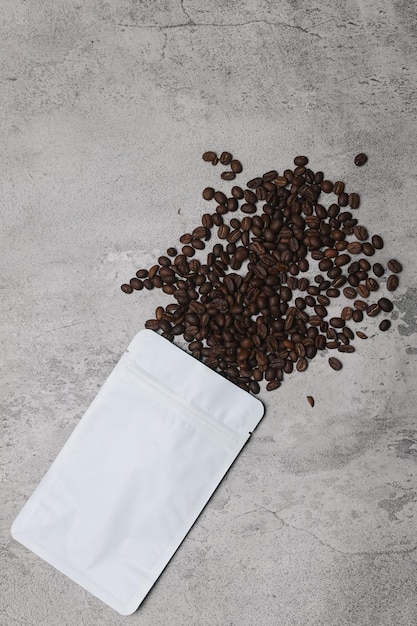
(137, 471)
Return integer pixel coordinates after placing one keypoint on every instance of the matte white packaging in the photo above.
(137, 471)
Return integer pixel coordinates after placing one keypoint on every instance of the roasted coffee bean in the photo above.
(392, 282)
(236, 166)
(373, 309)
(136, 284)
(360, 305)
(237, 192)
(368, 249)
(372, 284)
(337, 322)
(385, 305)
(300, 160)
(360, 159)
(377, 242)
(326, 186)
(346, 313)
(361, 335)
(346, 348)
(357, 315)
(228, 175)
(354, 200)
(363, 291)
(338, 187)
(394, 266)
(342, 259)
(142, 273)
(360, 233)
(148, 284)
(220, 197)
(209, 156)
(378, 269)
(335, 363)
(208, 193)
(310, 400)
(225, 158)
(350, 292)
(126, 288)
(343, 199)
(354, 247)
(384, 325)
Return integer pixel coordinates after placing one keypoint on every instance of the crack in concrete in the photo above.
(191, 23)
(330, 547)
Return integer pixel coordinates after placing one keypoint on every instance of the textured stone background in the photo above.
(106, 107)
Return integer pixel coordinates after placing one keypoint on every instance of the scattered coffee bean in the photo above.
(385, 305)
(135, 283)
(310, 400)
(236, 166)
(245, 310)
(361, 335)
(392, 282)
(228, 175)
(209, 156)
(225, 158)
(384, 325)
(208, 193)
(377, 242)
(378, 269)
(394, 266)
(373, 310)
(335, 363)
(360, 159)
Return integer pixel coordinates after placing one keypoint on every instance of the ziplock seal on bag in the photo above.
(137, 471)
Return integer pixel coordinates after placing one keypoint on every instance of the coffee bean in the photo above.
(337, 322)
(126, 288)
(363, 291)
(343, 199)
(142, 273)
(338, 188)
(209, 156)
(360, 233)
(368, 249)
(384, 325)
(326, 186)
(360, 159)
(360, 305)
(236, 166)
(135, 283)
(373, 309)
(349, 292)
(392, 282)
(237, 192)
(361, 335)
(208, 193)
(346, 313)
(227, 175)
(394, 266)
(385, 305)
(225, 158)
(378, 269)
(220, 197)
(354, 247)
(357, 315)
(354, 200)
(335, 363)
(377, 242)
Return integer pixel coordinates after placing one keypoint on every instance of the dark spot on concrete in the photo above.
(407, 304)
(394, 506)
(404, 448)
(411, 350)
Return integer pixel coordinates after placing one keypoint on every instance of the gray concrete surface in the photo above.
(105, 110)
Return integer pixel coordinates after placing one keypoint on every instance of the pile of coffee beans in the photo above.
(253, 308)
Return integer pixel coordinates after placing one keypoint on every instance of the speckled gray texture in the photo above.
(105, 110)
